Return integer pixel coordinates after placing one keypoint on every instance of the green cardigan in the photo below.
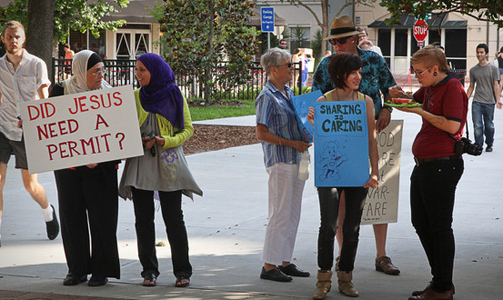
(171, 137)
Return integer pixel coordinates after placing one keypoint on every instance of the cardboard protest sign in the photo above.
(79, 129)
(301, 105)
(341, 151)
(382, 202)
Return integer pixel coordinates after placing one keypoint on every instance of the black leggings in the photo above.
(171, 208)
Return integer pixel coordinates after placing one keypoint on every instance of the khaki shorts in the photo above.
(7, 147)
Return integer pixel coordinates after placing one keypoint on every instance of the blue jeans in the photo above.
(482, 116)
(432, 192)
(329, 209)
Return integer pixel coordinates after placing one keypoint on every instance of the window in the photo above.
(79, 41)
(300, 37)
(401, 38)
(456, 55)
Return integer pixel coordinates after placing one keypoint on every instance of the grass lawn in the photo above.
(199, 113)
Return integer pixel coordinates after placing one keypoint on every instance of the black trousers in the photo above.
(172, 214)
(329, 212)
(88, 203)
(432, 191)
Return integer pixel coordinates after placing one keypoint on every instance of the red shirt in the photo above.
(448, 98)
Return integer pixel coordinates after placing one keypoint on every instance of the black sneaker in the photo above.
(52, 227)
(489, 148)
(275, 275)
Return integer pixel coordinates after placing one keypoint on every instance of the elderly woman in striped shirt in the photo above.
(282, 144)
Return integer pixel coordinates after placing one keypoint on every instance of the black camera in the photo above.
(464, 145)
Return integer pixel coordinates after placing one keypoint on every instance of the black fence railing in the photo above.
(120, 72)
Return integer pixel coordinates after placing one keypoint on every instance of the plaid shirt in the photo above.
(376, 77)
(275, 111)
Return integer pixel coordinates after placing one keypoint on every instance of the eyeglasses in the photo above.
(341, 41)
(420, 74)
(99, 73)
(282, 43)
(288, 65)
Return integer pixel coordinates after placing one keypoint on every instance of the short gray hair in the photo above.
(273, 58)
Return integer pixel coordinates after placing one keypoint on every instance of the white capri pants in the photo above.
(285, 201)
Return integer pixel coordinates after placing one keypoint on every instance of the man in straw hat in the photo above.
(376, 79)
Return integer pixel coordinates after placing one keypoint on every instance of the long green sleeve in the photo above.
(168, 132)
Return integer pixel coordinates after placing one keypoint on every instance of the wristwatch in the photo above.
(388, 108)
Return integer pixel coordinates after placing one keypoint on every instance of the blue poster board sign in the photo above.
(301, 105)
(267, 19)
(341, 151)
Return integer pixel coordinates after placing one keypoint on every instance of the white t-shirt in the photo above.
(19, 86)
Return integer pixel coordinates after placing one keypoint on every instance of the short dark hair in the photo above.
(12, 24)
(341, 65)
(483, 46)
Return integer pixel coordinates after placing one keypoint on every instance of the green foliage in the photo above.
(483, 10)
(264, 44)
(199, 35)
(305, 90)
(316, 46)
(79, 15)
(299, 35)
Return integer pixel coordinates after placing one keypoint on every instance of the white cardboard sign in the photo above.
(79, 129)
(382, 202)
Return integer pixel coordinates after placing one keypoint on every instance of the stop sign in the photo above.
(420, 30)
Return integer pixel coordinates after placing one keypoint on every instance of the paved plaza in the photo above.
(226, 231)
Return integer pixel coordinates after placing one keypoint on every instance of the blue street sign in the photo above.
(267, 17)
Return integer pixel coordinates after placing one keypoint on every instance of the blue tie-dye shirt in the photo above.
(376, 77)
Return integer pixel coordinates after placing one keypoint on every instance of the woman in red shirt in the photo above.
(438, 167)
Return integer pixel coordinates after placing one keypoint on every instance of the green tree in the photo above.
(322, 20)
(482, 10)
(299, 35)
(316, 46)
(201, 35)
(80, 15)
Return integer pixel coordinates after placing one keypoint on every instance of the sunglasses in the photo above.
(288, 65)
(341, 41)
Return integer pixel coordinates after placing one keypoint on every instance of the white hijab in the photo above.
(78, 82)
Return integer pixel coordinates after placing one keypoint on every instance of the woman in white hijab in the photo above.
(87, 195)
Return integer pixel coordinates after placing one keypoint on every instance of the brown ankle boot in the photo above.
(323, 285)
(345, 285)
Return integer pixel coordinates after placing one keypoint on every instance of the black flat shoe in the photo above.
(293, 270)
(71, 279)
(275, 275)
(97, 280)
(52, 227)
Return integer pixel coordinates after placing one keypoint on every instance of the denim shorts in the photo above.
(7, 147)
(501, 71)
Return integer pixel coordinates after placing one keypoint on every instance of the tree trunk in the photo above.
(324, 26)
(39, 36)
(209, 64)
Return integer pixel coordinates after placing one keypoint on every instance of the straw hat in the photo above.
(342, 27)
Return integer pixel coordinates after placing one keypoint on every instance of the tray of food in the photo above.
(403, 102)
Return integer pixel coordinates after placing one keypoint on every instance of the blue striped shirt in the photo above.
(276, 111)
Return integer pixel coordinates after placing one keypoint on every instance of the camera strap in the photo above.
(467, 133)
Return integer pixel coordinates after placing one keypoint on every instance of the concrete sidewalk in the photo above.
(226, 231)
